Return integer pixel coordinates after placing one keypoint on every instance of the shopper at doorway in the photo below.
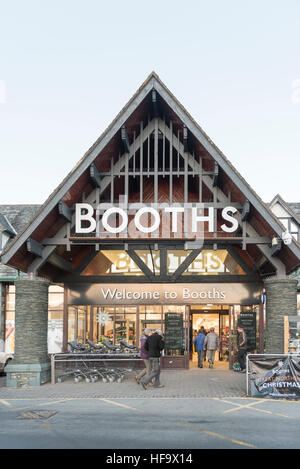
(242, 348)
(211, 344)
(198, 344)
(144, 354)
(154, 345)
(205, 333)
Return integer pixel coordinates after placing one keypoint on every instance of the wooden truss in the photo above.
(155, 152)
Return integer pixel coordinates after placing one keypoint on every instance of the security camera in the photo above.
(287, 237)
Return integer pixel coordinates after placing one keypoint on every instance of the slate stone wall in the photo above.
(31, 319)
(281, 300)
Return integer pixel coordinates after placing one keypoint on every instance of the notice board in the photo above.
(173, 331)
(247, 321)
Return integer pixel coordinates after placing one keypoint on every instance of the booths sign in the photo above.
(148, 219)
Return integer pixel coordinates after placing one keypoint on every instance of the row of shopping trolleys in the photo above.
(104, 347)
(92, 375)
(84, 370)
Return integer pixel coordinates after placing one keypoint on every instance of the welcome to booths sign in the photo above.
(275, 377)
(165, 293)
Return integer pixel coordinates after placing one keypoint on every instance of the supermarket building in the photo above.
(153, 221)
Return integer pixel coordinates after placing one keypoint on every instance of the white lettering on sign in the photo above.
(122, 226)
(232, 220)
(165, 293)
(186, 294)
(149, 219)
(124, 294)
(80, 216)
(213, 294)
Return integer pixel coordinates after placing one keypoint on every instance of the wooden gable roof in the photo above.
(47, 221)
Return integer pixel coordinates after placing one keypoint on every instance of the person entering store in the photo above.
(198, 344)
(204, 350)
(211, 343)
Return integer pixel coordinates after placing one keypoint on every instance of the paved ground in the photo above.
(197, 409)
(123, 424)
(181, 384)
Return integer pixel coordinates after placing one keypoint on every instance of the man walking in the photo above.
(198, 343)
(242, 348)
(211, 343)
(154, 345)
(144, 354)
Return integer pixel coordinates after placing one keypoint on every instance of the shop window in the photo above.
(151, 258)
(55, 301)
(79, 324)
(103, 324)
(72, 324)
(115, 262)
(150, 317)
(125, 325)
(208, 262)
(55, 318)
(55, 331)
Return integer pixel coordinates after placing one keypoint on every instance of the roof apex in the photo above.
(152, 81)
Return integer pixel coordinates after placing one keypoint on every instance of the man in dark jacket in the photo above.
(154, 345)
(242, 348)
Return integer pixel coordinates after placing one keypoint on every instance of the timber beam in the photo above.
(125, 139)
(141, 264)
(276, 248)
(95, 176)
(65, 211)
(186, 263)
(261, 261)
(155, 106)
(60, 262)
(185, 139)
(246, 210)
(215, 175)
(34, 247)
(60, 241)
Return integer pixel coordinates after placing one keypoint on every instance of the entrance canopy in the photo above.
(153, 154)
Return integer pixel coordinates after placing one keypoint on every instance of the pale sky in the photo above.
(68, 67)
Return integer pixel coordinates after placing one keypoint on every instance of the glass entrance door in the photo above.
(206, 317)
